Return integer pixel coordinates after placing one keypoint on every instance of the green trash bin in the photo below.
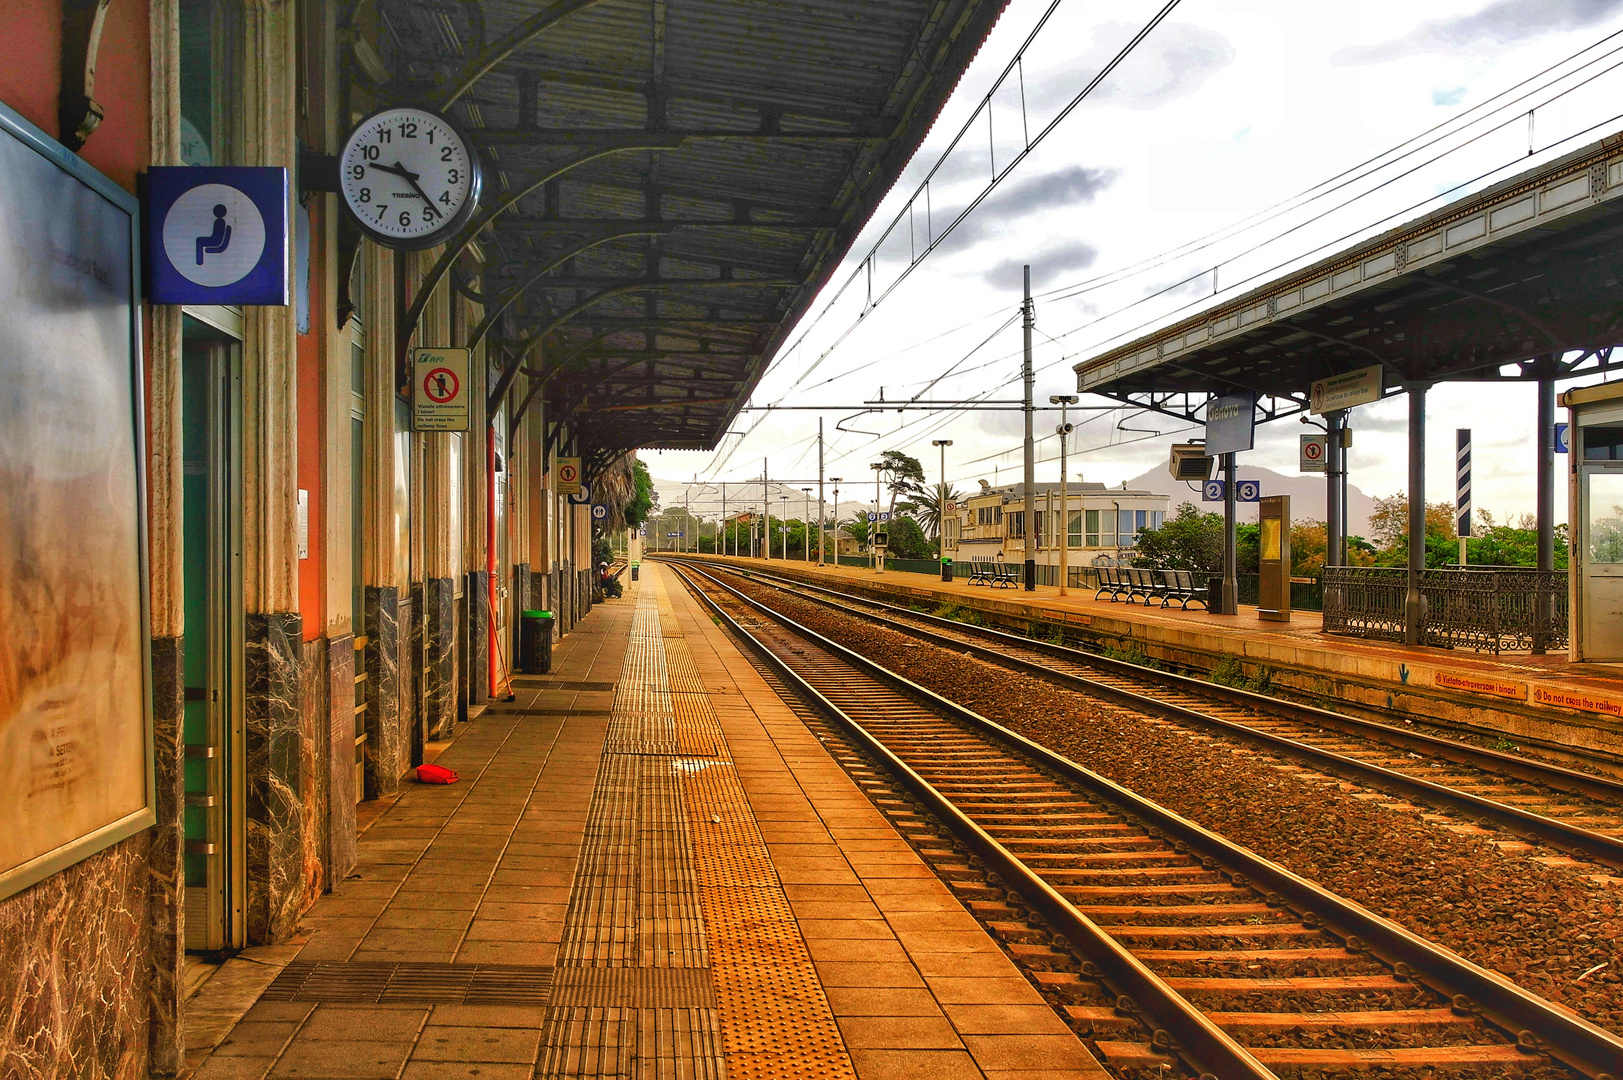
(946, 569)
(535, 643)
(634, 568)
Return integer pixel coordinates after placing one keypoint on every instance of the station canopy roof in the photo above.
(1519, 281)
(693, 172)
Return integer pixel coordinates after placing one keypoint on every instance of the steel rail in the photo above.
(1203, 1043)
(1603, 849)
(1537, 1024)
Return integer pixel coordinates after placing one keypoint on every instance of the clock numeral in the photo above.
(430, 136)
(381, 208)
(384, 135)
(405, 218)
(445, 153)
(365, 195)
(453, 176)
(371, 153)
(408, 129)
(357, 171)
(445, 197)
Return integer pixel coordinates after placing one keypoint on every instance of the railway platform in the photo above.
(1535, 701)
(649, 867)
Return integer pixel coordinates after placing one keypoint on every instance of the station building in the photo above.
(1103, 523)
(295, 588)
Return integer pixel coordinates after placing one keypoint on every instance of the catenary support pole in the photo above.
(1028, 379)
(1231, 537)
(766, 515)
(821, 542)
(1414, 608)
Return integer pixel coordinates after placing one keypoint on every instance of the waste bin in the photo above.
(1214, 596)
(946, 569)
(634, 568)
(535, 643)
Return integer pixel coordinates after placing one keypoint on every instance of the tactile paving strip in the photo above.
(635, 996)
(775, 1020)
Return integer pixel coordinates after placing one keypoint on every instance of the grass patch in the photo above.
(1230, 672)
(1132, 654)
(958, 613)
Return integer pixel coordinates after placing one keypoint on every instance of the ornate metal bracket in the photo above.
(78, 112)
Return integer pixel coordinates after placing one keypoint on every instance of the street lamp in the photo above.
(783, 524)
(1063, 401)
(873, 531)
(806, 524)
(836, 482)
(941, 509)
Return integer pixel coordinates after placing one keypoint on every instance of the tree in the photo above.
(907, 540)
(857, 529)
(905, 476)
(1389, 526)
(1188, 540)
(926, 509)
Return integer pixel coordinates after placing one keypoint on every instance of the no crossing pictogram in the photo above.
(441, 385)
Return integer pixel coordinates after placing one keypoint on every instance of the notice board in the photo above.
(76, 764)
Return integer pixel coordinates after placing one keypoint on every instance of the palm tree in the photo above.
(926, 510)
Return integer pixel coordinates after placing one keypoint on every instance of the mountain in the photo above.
(1306, 492)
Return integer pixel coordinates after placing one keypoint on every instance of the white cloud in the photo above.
(1497, 26)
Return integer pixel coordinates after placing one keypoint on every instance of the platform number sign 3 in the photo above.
(1247, 491)
(409, 177)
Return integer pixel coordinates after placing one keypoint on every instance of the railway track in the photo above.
(1572, 811)
(1191, 951)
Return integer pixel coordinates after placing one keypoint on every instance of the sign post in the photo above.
(440, 389)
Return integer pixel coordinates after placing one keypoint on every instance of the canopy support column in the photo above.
(1335, 490)
(1231, 539)
(1546, 499)
(1415, 605)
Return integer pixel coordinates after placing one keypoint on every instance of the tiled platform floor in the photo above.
(709, 894)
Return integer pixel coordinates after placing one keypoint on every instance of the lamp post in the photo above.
(751, 512)
(941, 508)
(783, 524)
(1064, 401)
(806, 526)
(873, 531)
(835, 480)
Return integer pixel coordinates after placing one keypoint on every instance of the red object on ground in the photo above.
(435, 774)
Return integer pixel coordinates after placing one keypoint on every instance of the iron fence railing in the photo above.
(1496, 610)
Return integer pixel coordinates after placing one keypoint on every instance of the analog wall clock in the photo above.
(409, 177)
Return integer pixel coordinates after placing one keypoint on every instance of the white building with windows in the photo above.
(990, 525)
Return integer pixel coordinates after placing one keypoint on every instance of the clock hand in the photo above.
(411, 178)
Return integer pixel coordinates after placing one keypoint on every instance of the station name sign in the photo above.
(1346, 390)
(1231, 423)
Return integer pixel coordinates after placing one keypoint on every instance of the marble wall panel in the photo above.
(413, 716)
(339, 766)
(387, 747)
(476, 671)
(273, 720)
(522, 602)
(313, 782)
(166, 899)
(68, 948)
(439, 658)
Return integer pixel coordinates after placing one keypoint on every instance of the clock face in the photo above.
(409, 177)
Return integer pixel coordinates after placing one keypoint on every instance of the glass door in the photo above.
(212, 588)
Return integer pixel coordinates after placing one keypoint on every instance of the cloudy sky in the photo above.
(1159, 194)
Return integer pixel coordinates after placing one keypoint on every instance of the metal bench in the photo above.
(1143, 583)
(1007, 576)
(1180, 586)
(1111, 581)
(982, 571)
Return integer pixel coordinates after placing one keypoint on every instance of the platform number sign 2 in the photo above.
(1212, 491)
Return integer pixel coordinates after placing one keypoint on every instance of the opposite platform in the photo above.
(1538, 700)
(651, 867)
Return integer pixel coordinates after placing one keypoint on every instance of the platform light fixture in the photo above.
(941, 510)
(1064, 401)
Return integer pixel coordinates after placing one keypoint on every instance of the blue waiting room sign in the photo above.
(217, 235)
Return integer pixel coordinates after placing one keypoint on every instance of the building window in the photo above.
(1017, 524)
(1075, 531)
(208, 40)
